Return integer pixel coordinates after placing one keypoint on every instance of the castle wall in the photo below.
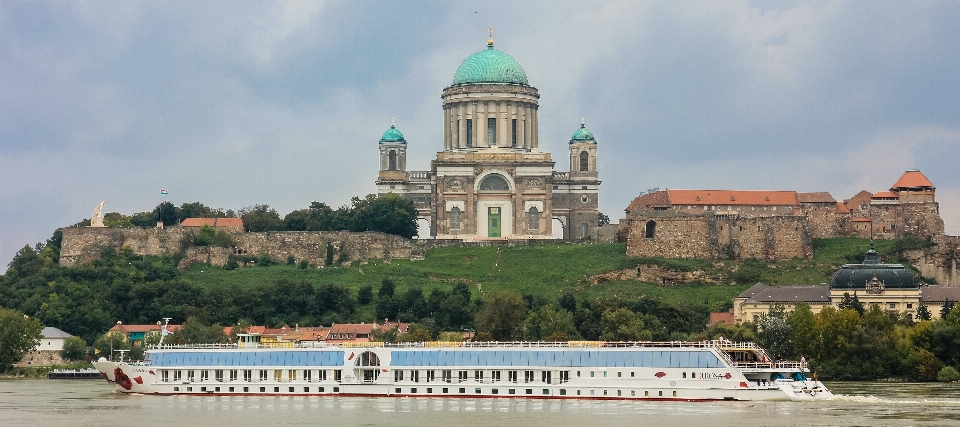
(82, 245)
(680, 235)
(823, 221)
(675, 235)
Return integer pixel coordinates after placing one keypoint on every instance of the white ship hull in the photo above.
(620, 371)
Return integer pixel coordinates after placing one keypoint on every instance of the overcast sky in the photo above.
(240, 103)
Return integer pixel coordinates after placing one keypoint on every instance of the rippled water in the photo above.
(92, 402)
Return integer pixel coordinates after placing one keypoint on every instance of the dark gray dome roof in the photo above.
(856, 276)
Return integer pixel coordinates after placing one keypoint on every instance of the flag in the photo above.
(162, 191)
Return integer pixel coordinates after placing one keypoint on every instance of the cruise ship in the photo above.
(682, 371)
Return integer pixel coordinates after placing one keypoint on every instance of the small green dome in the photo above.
(582, 135)
(392, 135)
(490, 66)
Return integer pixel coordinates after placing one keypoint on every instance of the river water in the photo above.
(92, 402)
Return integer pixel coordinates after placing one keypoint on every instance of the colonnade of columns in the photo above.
(456, 114)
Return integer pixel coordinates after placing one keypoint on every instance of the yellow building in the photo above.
(891, 286)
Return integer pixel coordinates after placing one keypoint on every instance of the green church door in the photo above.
(493, 222)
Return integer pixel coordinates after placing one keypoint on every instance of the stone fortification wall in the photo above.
(675, 235)
(939, 262)
(823, 221)
(83, 244)
(709, 236)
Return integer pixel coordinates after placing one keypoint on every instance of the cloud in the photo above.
(237, 103)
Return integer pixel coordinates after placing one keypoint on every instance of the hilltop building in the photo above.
(774, 225)
(492, 181)
(47, 353)
(890, 286)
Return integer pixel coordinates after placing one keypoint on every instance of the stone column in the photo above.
(526, 127)
(533, 131)
(446, 128)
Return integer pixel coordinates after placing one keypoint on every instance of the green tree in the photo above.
(19, 334)
(384, 334)
(365, 295)
(387, 288)
(502, 316)
(261, 218)
(167, 213)
(602, 219)
(852, 303)
(108, 344)
(623, 325)
(803, 334)
(946, 308)
(193, 331)
(923, 312)
(416, 333)
(389, 213)
(948, 374)
(557, 325)
(74, 348)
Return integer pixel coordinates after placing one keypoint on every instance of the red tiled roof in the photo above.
(912, 179)
(886, 195)
(862, 197)
(818, 197)
(861, 220)
(842, 208)
(213, 222)
(352, 328)
(649, 200)
(733, 197)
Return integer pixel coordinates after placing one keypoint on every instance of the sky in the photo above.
(236, 103)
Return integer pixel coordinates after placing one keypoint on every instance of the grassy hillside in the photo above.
(552, 270)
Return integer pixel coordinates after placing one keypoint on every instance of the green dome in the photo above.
(490, 66)
(392, 135)
(582, 135)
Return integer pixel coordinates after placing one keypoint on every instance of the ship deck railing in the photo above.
(720, 344)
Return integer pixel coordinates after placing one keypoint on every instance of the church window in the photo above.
(513, 134)
(469, 133)
(584, 161)
(393, 161)
(651, 229)
(583, 231)
(455, 218)
(494, 182)
(492, 132)
(533, 218)
(458, 133)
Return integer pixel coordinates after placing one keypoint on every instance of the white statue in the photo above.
(96, 220)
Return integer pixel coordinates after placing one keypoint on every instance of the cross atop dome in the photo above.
(490, 41)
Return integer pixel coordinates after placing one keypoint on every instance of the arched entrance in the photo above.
(367, 367)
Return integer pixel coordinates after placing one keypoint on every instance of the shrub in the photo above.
(948, 374)
(291, 260)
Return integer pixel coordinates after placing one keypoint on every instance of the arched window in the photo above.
(584, 161)
(494, 182)
(455, 218)
(651, 229)
(392, 161)
(533, 218)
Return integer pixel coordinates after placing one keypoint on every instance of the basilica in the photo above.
(492, 181)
